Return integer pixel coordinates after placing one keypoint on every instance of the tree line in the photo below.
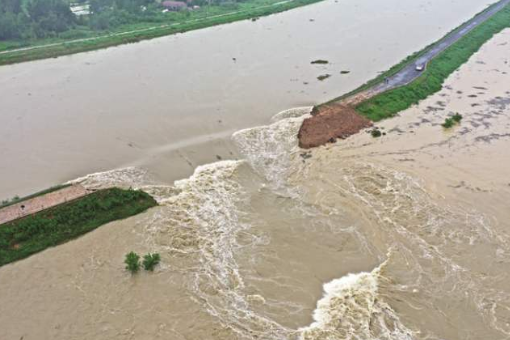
(38, 19)
(107, 14)
(22, 19)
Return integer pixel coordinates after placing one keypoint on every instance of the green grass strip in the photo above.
(388, 104)
(48, 228)
(115, 40)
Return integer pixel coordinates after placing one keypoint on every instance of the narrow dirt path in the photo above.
(39, 203)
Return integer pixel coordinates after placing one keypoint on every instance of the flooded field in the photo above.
(171, 104)
(401, 237)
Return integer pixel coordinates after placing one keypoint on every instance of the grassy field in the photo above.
(431, 81)
(177, 23)
(48, 228)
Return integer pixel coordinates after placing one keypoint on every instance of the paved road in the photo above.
(409, 73)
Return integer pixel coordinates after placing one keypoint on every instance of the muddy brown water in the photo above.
(171, 104)
(402, 237)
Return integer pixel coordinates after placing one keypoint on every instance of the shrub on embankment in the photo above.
(34, 233)
(390, 103)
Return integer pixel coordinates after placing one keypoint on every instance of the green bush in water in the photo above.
(457, 117)
(448, 123)
(132, 262)
(376, 133)
(150, 261)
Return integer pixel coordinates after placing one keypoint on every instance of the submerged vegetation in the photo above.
(457, 117)
(376, 133)
(24, 237)
(132, 262)
(390, 103)
(323, 77)
(116, 22)
(450, 122)
(320, 61)
(150, 261)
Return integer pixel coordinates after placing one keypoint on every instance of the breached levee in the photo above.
(329, 123)
(221, 276)
(270, 149)
(351, 308)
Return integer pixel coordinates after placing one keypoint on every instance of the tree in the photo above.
(40, 9)
(10, 6)
(97, 6)
(10, 26)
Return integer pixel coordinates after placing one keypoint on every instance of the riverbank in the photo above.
(374, 102)
(140, 100)
(37, 231)
(388, 104)
(132, 34)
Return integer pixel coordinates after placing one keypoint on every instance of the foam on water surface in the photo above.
(292, 113)
(271, 149)
(352, 309)
(130, 177)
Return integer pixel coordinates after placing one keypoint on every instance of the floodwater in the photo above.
(171, 104)
(402, 237)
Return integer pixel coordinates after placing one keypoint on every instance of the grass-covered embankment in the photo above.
(390, 103)
(29, 235)
(135, 33)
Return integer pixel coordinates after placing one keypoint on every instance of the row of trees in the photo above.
(132, 6)
(34, 18)
(106, 14)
